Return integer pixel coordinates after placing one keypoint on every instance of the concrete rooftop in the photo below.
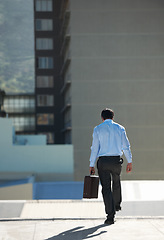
(141, 218)
(79, 219)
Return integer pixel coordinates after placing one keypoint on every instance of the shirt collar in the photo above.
(108, 120)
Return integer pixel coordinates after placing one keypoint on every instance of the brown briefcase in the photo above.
(91, 186)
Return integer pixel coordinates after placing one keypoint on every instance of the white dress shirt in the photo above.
(109, 139)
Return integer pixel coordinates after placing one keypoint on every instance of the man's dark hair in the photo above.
(107, 113)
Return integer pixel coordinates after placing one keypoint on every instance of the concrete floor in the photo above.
(75, 209)
(77, 220)
(132, 229)
(141, 218)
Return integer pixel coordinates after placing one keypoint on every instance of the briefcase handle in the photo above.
(92, 173)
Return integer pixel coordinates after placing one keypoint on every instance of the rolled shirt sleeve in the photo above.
(94, 148)
(126, 147)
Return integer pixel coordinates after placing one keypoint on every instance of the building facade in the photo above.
(110, 55)
(47, 69)
(21, 109)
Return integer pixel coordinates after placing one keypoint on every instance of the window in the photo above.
(45, 62)
(45, 119)
(24, 123)
(44, 25)
(44, 81)
(44, 43)
(45, 100)
(43, 5)
(19, 104)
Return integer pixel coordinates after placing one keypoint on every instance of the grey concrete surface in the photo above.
(11, 209)
(75, 209)
(77, 220)
(140, 229)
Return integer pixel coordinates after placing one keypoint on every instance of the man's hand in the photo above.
(92, 170)
(129, 167)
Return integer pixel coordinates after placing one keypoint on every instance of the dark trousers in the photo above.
(109, 170)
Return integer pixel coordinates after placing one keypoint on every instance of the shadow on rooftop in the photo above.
(78, 233)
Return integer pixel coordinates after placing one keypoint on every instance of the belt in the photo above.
(121, 160)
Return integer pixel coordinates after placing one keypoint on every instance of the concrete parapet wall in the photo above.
(48, 159)
(17, 192)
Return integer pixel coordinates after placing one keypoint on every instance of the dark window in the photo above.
(44, 25)
(43, 5)
(45, 119)
(45, 100)
(44, 81)
(44, 43)
(45, 62)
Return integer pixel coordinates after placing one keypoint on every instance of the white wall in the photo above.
(34, 159)
(29, 140)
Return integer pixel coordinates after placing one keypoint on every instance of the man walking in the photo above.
(109, 143)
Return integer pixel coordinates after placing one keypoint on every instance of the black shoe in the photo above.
(118, 208)
(109, 221)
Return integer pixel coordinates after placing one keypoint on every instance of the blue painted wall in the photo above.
(58, 190)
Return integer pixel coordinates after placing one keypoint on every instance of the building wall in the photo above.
(29, 140)
(17, 192)
(55, 161)
(51, 127)
(117, 58)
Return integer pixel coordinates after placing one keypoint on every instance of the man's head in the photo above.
(107, 114)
